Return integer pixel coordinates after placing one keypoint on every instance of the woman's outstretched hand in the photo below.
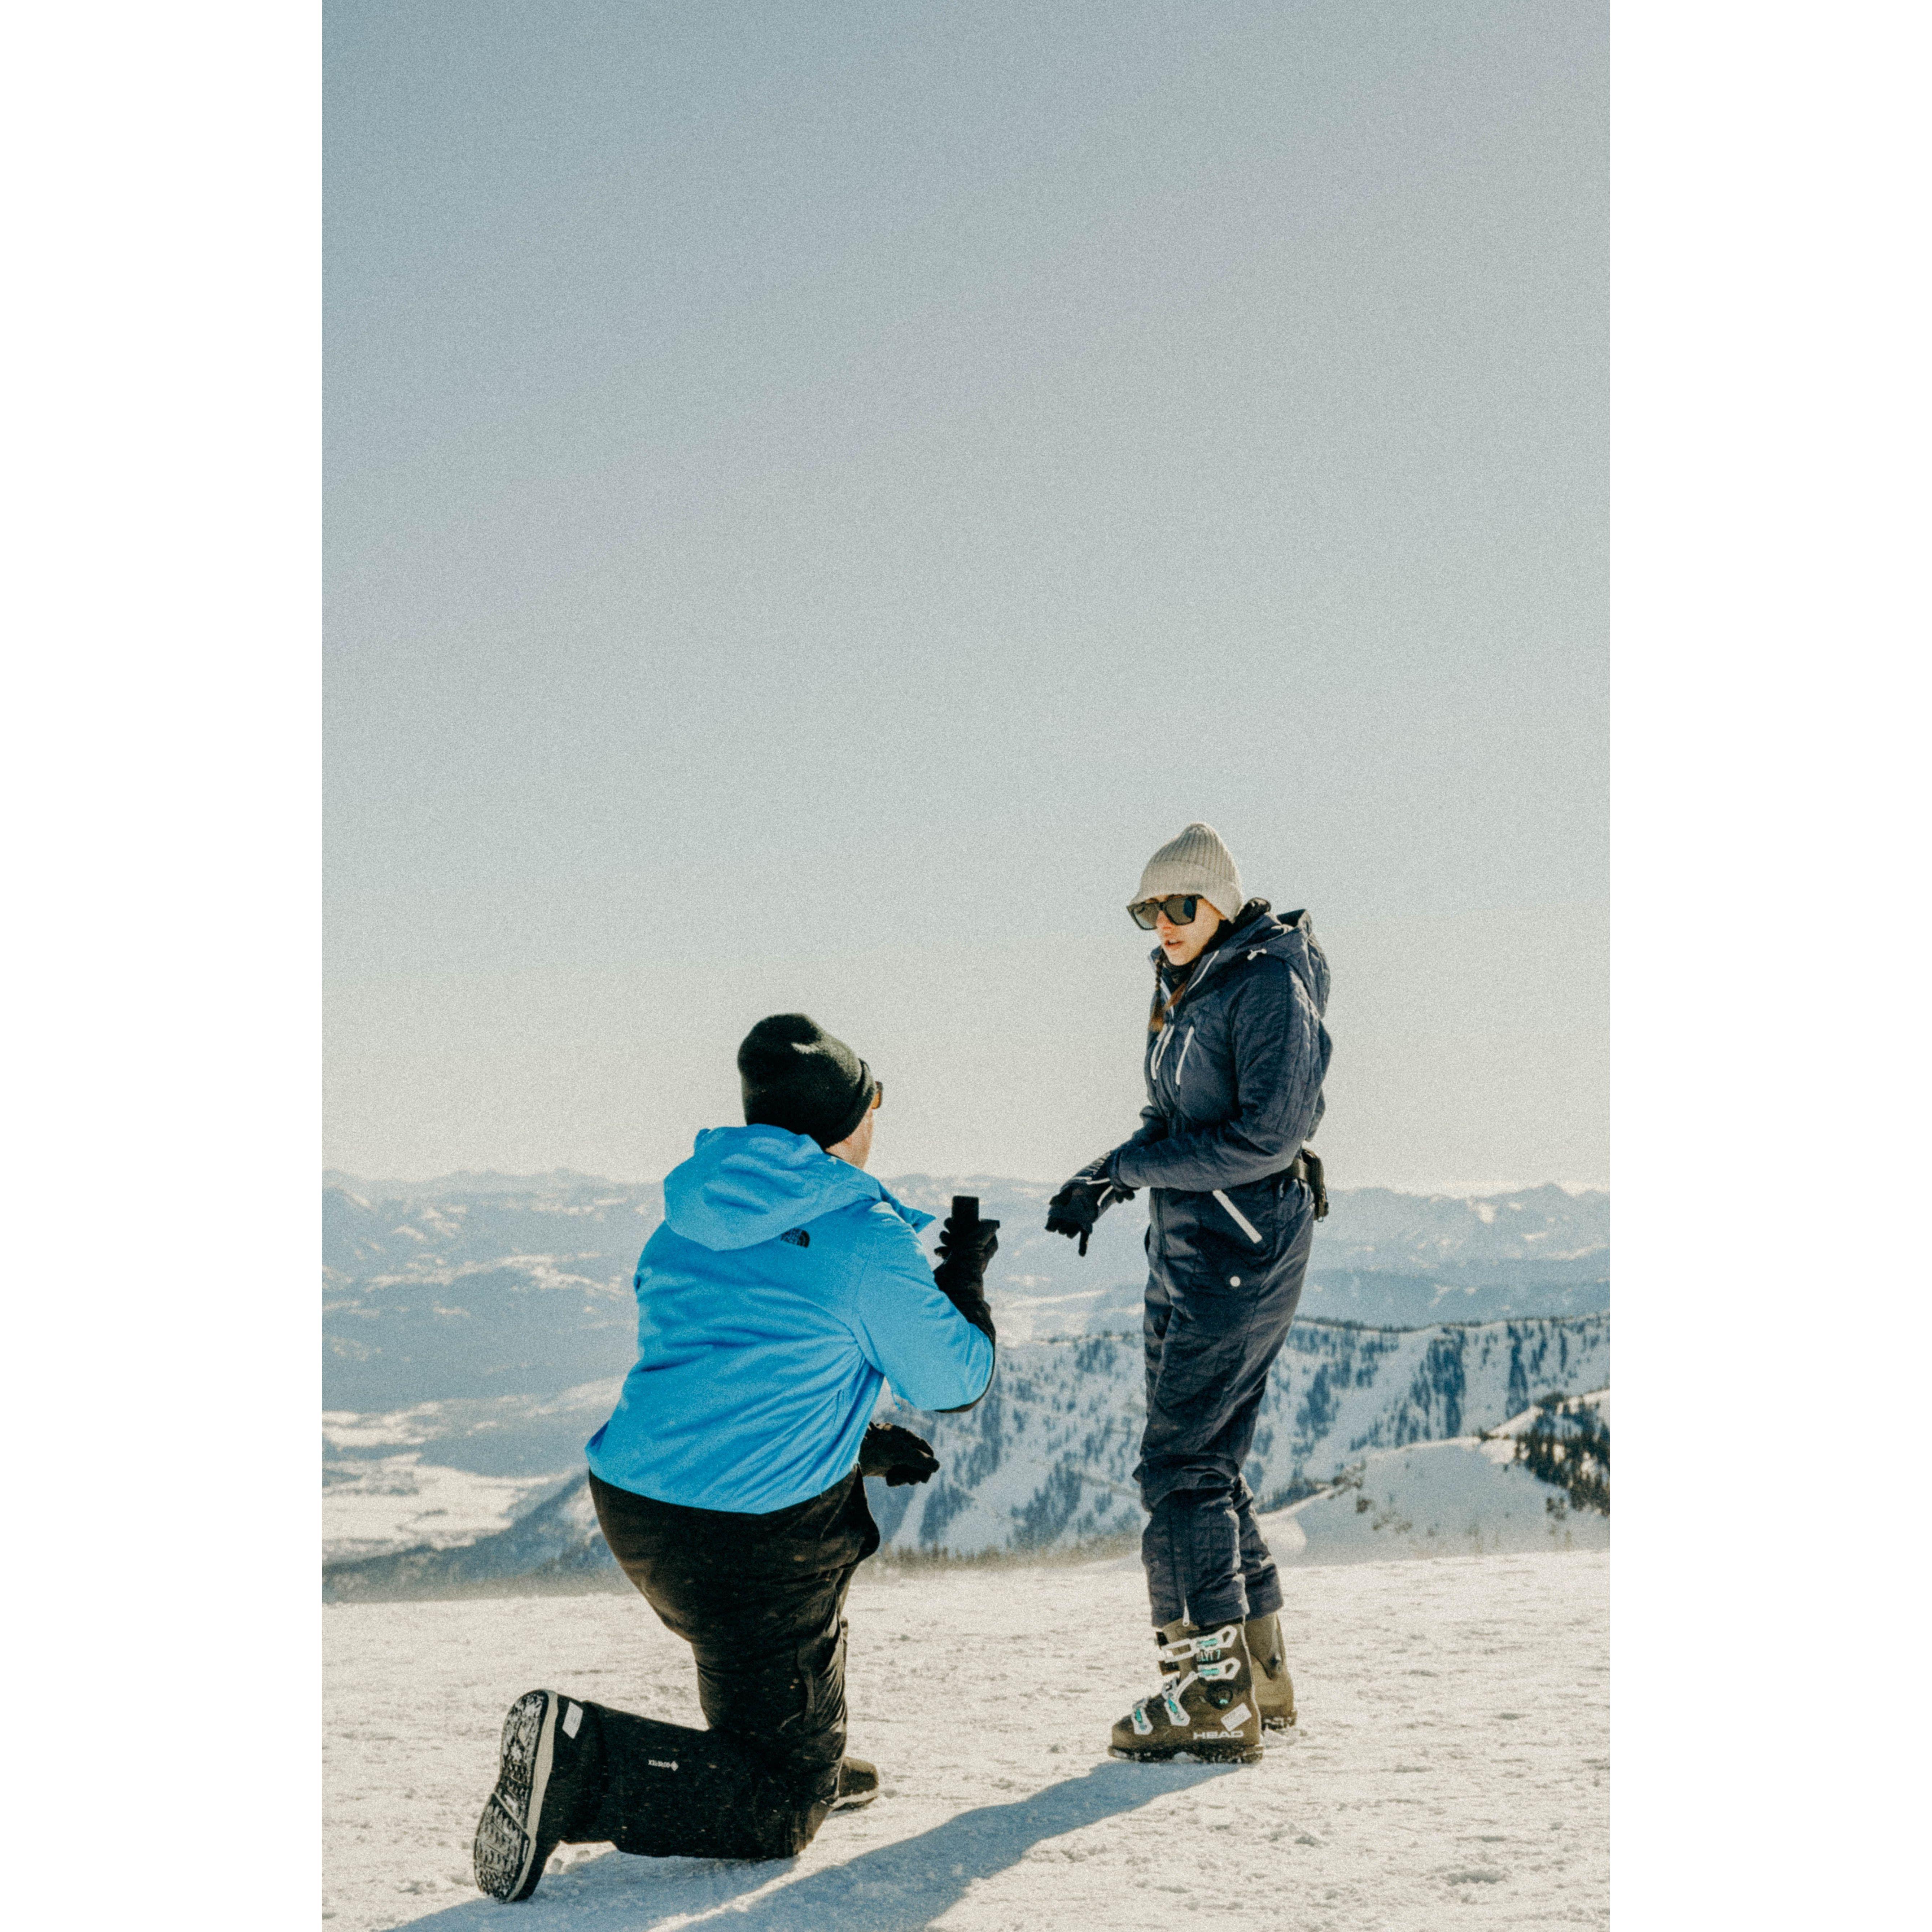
(1081, 1202)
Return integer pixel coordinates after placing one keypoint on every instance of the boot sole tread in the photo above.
(507, 1867)
(1192, 1754)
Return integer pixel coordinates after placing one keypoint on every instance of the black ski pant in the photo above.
(1224, 1276)
(760, 1600)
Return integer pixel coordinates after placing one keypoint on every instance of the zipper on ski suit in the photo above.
(1240, 1219)
(1213, 960)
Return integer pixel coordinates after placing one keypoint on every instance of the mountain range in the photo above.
(479, 1286)
(476, 1328)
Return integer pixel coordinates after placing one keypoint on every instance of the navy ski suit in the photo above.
(1233, 1080)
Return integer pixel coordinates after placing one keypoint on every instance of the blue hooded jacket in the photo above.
(783, 1287)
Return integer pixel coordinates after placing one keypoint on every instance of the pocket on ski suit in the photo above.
(1224, 1277)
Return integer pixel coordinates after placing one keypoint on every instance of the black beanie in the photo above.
(796, 1075)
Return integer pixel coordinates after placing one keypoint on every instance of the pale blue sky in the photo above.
(815, 495)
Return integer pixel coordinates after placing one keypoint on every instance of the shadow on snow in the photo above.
(896, 1887)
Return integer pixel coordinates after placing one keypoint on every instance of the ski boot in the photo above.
(1274, 1689)
(1204, 1707)
(858, 1783)
(541, 1772)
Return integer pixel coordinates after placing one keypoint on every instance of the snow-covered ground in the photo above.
(1451, 1764)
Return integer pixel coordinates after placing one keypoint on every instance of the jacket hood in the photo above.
(745, 1185)
(1287, 935)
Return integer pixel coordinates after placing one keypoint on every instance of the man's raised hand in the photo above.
(966, 1243)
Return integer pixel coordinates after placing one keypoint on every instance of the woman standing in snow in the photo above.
(1235, 1056)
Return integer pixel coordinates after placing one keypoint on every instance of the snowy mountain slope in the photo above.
(1047, 1458)
(1392, 1259)
(1598, 1399)
(1465, 1496)
(483, 1286)
(1045, 1462)
(1433, 1773)
(558, 1540)
(401, 1502)
(1405, 1259)
(453, 1295)
(1473, 1291)
(1377, 1228)
(507, 1435)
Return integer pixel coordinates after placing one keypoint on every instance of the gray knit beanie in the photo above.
(1197, 862)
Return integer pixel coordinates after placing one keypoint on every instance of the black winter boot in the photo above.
(543, 1775)
(858, 1783)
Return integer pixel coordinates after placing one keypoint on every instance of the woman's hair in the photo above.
(1158, 1012)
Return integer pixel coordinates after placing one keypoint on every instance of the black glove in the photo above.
(1081, 1202)
(966, 1245)
(895, 1454)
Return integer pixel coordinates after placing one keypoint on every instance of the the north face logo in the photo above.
(798, 1238)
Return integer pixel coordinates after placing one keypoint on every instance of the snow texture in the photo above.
(1450, 1767)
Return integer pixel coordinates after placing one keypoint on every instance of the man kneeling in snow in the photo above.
(783, 1287)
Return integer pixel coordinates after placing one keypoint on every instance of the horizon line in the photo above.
(1478, 1191)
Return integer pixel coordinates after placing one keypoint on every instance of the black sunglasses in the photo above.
(1179, 907)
